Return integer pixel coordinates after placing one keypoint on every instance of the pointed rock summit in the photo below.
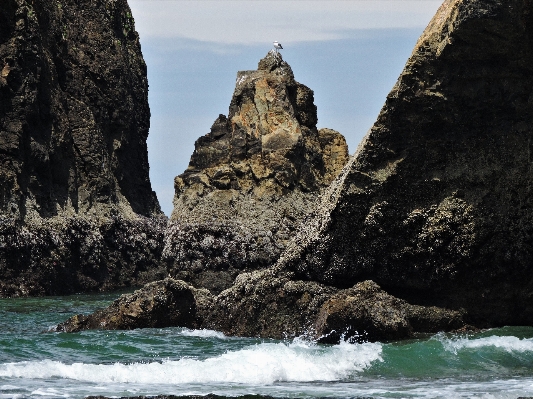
(252, 179)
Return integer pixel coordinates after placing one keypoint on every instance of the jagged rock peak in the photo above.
(273, 62)
(270, 136)
(255, 175)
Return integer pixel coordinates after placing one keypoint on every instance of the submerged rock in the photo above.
(251, 180)
(75, 195)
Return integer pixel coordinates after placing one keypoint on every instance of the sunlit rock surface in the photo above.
(252, 179)
(76, 205)
(164, 303)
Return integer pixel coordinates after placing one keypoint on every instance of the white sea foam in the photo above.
(202, 333)
(508, 343)
(263, 363)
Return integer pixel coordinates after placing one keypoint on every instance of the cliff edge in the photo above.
(76, 204)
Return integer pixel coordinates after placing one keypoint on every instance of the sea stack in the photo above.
(251, 180)
(77, 211)
(428, 226)
(436, 206)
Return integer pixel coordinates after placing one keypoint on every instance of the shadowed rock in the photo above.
(263, 305)
(436, 205)
(164, 303)
(75, 195)
(251, 180)
(367, 312)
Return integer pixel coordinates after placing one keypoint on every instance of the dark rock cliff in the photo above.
(252, 179)
(436, 205)
(75, 195)
(428, 227)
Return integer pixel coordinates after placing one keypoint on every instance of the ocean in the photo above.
(34, 363)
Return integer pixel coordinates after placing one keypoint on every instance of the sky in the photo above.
(349, 52)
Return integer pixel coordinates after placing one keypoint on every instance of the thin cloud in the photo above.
(257, 21)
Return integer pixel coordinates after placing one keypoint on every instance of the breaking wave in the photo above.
(263, 363)
(506, 343)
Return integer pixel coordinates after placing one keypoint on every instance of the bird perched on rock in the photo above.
(277, 46)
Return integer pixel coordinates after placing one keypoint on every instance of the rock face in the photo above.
(436, 206)
(434, 211)
(74, 119)
(274, 307)
(365, 311)
(252, 179)
(159, 304)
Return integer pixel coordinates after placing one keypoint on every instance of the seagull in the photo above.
(277, 46)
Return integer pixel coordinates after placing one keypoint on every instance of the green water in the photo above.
(35, 363)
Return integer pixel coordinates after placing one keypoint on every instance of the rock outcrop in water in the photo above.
(434, 211)
(164, 303)
(77, 211)
(252, 179)
(276, 307)
(436, 205)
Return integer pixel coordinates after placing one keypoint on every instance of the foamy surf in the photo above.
(506, 343)
(186, 332)
(495, 364)
(259, 364)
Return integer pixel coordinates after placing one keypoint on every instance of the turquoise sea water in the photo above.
(34, 363)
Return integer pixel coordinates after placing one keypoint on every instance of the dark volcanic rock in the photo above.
(262, 304)
(162, 303)
(366, 312)
(252, 179)
(74, 119)
(266, 304)
(65, 255)
(436, 206)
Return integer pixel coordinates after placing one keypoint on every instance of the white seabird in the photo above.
(277, 46)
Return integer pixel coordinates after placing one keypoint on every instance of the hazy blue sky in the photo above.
(349, 52)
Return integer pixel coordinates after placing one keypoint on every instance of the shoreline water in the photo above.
(35, 364)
